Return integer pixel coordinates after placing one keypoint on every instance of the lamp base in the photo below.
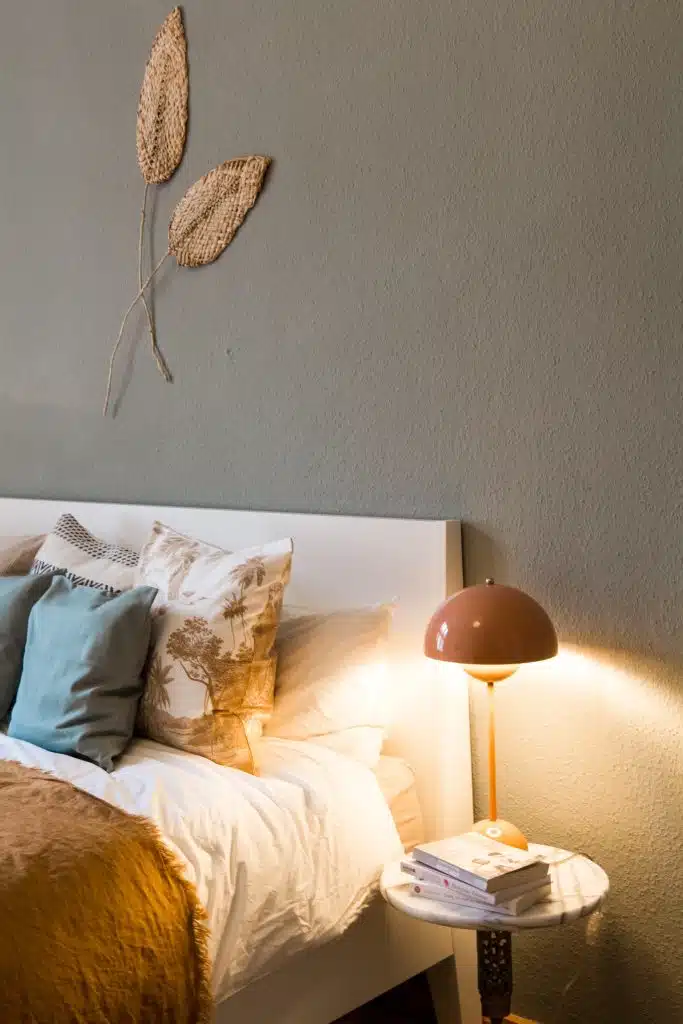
(502, 832)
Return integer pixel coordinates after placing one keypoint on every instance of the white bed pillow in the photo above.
(330, 685)
(73, 551)
(397, 781)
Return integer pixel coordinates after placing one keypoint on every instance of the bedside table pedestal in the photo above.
(494, 972)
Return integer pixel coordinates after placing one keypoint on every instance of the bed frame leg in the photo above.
(453, 983)
(443, 987)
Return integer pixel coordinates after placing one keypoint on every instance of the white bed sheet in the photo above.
(281, 861)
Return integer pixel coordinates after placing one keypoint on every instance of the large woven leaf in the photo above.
(162, 110)
(205, 220)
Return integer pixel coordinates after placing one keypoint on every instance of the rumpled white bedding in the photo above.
(281, 861)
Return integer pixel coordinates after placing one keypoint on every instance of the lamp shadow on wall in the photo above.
(595, 957)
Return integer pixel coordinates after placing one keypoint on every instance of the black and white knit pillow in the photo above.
(72, 551)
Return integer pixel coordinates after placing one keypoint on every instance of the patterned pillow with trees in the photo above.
(210, 674)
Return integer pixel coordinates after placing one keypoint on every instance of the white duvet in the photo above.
(280, 861)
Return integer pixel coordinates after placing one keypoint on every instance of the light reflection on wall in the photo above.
(589, 674)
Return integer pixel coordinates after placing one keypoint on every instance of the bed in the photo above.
(313, 942)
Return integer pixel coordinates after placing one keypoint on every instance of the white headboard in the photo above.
(339, 562)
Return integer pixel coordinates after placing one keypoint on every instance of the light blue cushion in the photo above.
(18, 594)
(81, 680)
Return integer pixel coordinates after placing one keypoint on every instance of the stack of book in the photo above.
(479, 874)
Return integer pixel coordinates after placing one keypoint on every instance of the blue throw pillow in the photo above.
(18, 594)
(81, 680)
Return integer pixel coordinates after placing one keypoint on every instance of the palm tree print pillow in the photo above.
(210, 674)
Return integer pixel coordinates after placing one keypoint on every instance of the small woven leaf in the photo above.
(162, 110)
(205, 220)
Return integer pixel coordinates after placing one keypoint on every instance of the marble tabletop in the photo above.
(579, 886)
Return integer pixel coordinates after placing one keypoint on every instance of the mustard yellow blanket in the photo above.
(97, 923)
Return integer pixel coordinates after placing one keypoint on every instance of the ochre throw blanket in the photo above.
(97, 923)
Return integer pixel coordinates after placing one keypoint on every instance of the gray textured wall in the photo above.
(460, 295)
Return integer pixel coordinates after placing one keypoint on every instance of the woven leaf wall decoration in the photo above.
(204, 222)
(161, 130)
(207, 217)
(162, 110)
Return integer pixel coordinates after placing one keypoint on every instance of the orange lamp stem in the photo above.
(493, 802)
(494, 827)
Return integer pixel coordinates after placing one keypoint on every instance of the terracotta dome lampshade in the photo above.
(490, 625)
(490, 630)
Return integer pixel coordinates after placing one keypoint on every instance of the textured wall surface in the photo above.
(459, 295)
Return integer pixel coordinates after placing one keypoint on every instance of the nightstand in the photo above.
(579, 886)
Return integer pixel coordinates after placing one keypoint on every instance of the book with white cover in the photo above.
(508, 909)
(421, 873)
(481, 862)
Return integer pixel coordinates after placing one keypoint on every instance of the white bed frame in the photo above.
(344, 561)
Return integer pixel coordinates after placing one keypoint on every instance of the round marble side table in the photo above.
(579, 886)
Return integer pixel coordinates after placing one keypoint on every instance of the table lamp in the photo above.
(490, 630)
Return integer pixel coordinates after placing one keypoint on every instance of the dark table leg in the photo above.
(494, 969)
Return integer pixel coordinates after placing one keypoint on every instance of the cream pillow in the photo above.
(331, 681)
(17, 554)
(210, 674)
(74, 552)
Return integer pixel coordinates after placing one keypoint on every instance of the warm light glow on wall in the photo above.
(596, 674)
